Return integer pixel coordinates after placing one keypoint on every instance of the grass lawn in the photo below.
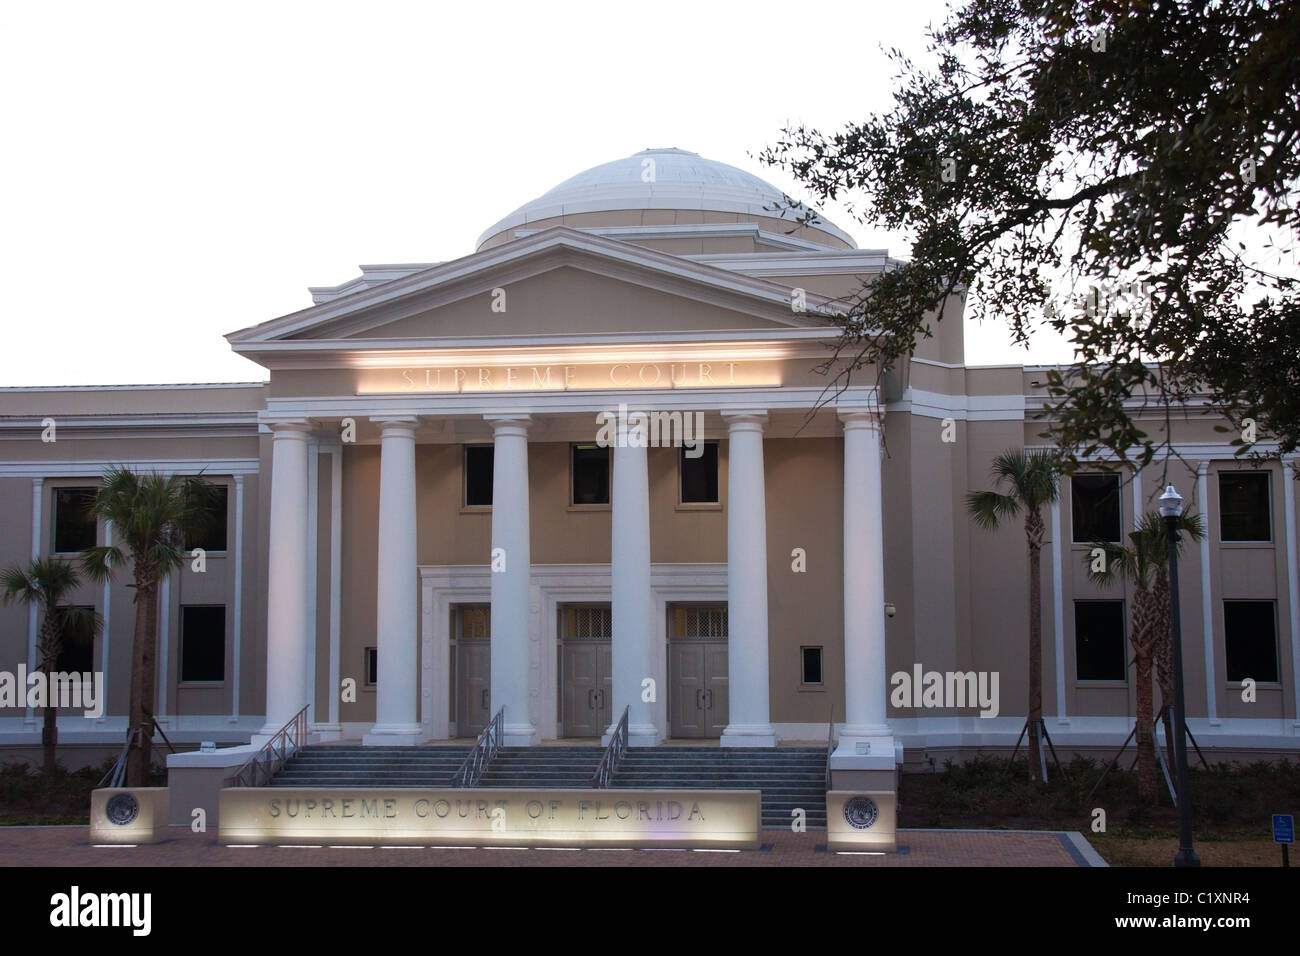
(1232, 807)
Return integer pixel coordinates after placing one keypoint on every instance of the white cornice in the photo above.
(542, 349)
(95, 469)
(555, 402)
(129, 388)
(826, 262)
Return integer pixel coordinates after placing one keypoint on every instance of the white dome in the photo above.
(658, 179)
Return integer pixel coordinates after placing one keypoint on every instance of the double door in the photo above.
(697, 671)
(586, 671)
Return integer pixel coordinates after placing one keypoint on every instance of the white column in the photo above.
(866, 741)
(749, 717)
(237, 629)
(164, 645)
(397, 596)
(313, 572)
(1058, 612)
(286, 580)
(512, 665)
(334, 730)
(1292, 582)
(632, 652)
(1207, 596)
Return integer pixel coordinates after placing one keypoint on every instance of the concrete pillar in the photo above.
(286, 579)
(749, 715)
(397, 595)
(632, 652)
(512, 677)
(866, 741)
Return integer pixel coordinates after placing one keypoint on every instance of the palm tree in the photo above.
(1143, 562)
(152, 515)
(1031, 482)
(45, 584)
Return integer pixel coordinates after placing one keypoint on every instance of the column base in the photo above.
(748, 735)
(866, 748)
(520, 735)
(392, 735)
(638, 735)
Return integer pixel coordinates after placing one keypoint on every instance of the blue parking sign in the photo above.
(1283, 828)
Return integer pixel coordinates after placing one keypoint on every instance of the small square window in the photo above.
(212, 536)
(478, 475)
(372, 666)
(810, 665)
(591, 469)
(77, 651)
(75, 528)
(1244, 513)
(1250, 641)
(1094, 505)
(203, 642)
(1099, 640)
(700, 474)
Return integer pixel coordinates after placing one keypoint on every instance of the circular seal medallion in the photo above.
(122, 809)
(861, 812)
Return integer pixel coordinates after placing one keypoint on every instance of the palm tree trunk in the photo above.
(1035, 715)
(139, 759)
(1148, 781)
(50, 724)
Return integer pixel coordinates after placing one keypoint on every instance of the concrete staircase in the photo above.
(790, 777)
(344, 765)
(555, 768)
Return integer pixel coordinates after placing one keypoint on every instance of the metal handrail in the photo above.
(115, 773)
(830, 746)
(485, 748)
(258, 770)
(614, 751)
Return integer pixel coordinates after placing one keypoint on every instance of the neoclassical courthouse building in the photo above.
(421, 525)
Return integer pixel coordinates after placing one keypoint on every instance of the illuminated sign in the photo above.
(550, 378)
(719, 819)
(864, 821)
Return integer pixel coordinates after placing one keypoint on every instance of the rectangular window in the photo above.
(590, 475)
(1094, 501)
(74, 525)
(77, 653)
(203, 642)
(811, 664)
(1244, 513)
(1250, 640)
(700, 475)
(1099, 640)
(372, 666)
(212, 536)
(478, 475)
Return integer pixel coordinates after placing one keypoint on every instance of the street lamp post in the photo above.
(1171, 507)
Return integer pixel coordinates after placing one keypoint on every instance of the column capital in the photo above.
(745, 420)
(396, 424)
(298, 429)
(509, 423)
(861, 417)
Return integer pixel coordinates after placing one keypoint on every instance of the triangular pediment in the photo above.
(560, 281)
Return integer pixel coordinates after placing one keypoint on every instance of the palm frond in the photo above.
(989, 509)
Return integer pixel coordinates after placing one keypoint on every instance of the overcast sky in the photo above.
(172, 172)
